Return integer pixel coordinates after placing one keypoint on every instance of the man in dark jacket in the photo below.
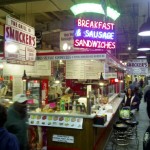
(17, 120)
(8, 141)
(146, 140)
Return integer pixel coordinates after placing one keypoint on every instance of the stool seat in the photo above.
(124, 119)
(132, 122)
(120, 126)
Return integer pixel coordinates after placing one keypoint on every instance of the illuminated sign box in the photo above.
(94, 34)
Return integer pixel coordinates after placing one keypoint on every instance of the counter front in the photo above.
(68, 131)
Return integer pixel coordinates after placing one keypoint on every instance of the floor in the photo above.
(143, 119)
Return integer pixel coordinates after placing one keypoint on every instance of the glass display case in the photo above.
(33, 88)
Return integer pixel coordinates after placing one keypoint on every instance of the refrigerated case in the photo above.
(38, 90)
(33, 88)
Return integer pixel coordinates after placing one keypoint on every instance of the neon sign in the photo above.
(94, 34)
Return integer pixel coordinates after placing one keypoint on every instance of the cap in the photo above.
(20, 98)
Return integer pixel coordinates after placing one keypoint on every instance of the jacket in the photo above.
(134, 98)
(147, 95)
(8, 141)
(17, 125)
(146, 139)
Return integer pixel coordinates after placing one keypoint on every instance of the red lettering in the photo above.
(7, 32)
(21, 37)
(11, 33)
(16, 35)
(34, 41)
(30, 43)
(27, 39)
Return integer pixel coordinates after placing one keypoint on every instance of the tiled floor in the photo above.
(143, 119)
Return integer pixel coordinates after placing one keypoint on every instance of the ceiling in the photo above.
(53, 16)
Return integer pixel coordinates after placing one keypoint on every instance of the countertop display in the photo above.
(70, 119)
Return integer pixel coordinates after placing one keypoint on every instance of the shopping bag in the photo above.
(125, 112)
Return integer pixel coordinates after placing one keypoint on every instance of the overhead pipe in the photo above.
(4, 2)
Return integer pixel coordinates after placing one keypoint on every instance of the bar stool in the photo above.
(132, 131)
(120, 138)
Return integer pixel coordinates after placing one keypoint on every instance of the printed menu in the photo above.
(56, 121)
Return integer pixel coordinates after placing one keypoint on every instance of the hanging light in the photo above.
(145, 27)
(143, 46)
(24, 77)
(102, 81)
(141, 55)
(57, 78)
(129, 47)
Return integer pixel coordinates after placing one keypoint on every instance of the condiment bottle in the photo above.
(62, 105)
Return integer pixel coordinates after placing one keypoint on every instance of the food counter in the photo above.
(72, 131)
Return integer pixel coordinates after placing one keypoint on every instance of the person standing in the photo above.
(17, 120)
(146, 139)
(131, 99)
(146, 88)
(8, 141)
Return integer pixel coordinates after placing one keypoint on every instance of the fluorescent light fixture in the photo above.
(112, 13)
(94, 8)
(87, 7)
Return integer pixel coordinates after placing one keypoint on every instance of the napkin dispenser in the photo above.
(100, 119)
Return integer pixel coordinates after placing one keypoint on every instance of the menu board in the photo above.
(17, 85)
(43, 68)
(56, 121)
(83, 69)
(40, 68)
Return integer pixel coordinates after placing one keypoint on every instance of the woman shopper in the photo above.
(131, 100)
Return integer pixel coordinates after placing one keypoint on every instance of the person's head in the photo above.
(20, 104)
(136, 90)
(3, 115)
(129, 91)
(130, 82)
(69, 92)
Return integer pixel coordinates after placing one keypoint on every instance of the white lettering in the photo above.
(99, 34)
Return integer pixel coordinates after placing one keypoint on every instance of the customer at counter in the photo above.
(131, 99)
(17, 120)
